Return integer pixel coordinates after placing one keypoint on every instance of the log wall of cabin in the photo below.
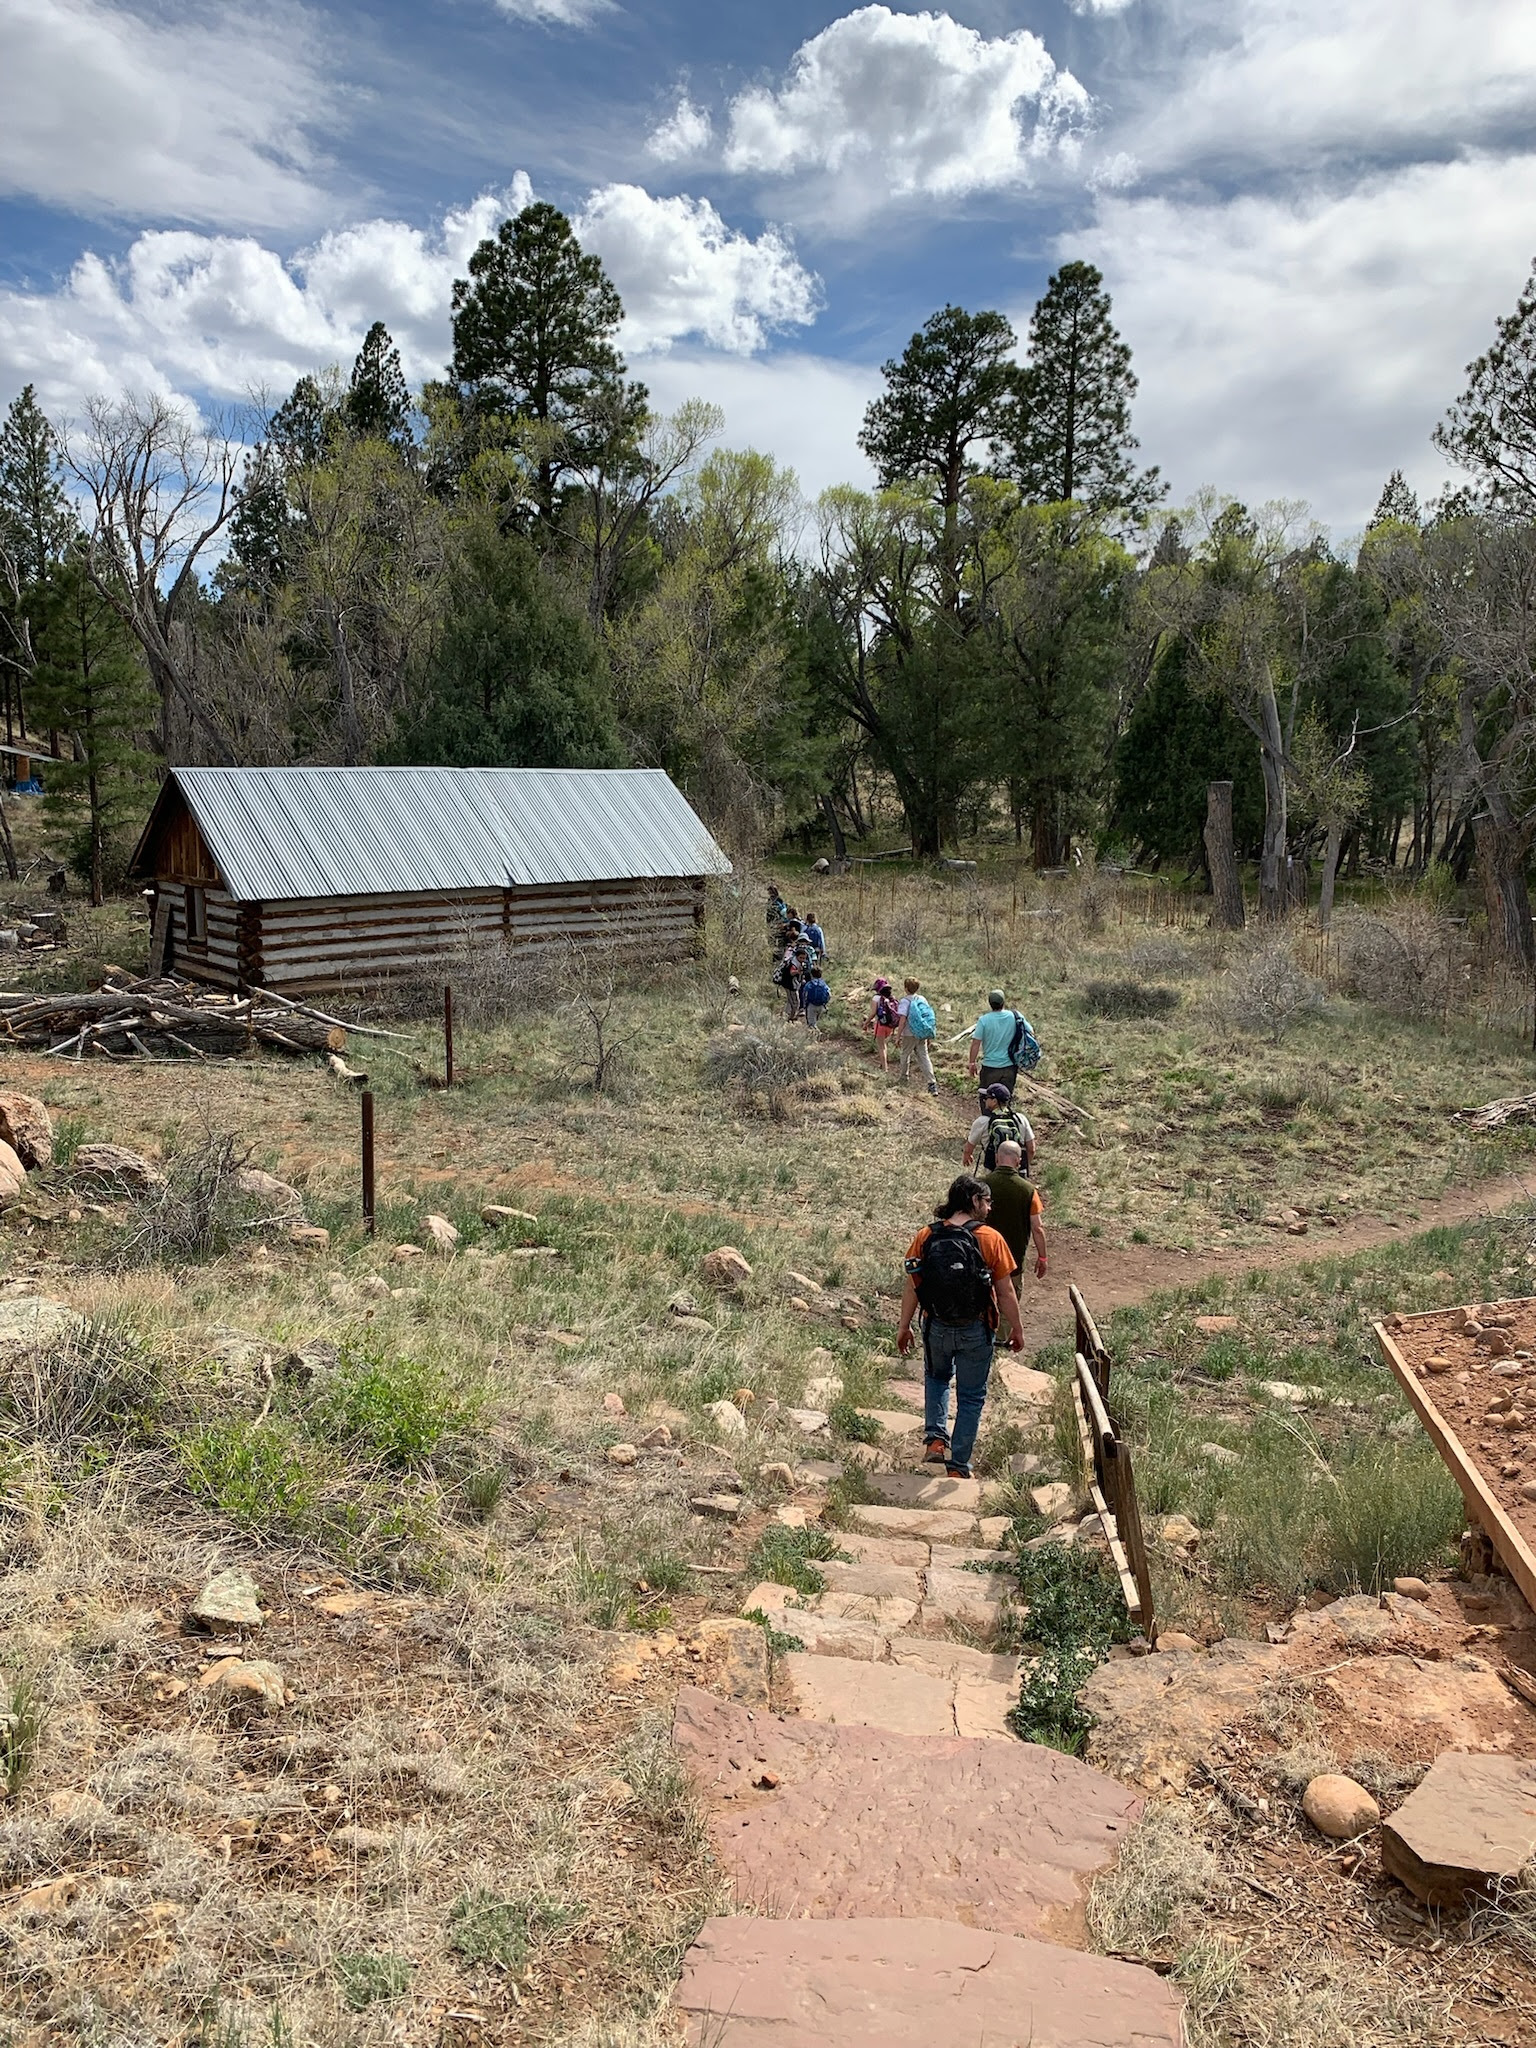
(333, 942)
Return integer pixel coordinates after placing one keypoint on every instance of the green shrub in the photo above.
(1075, 1612)
(786, 1557)
(259, 1474)
(365, 1980)
(21, 1732)
(485, 1929)
(1130, 999)
(395, 1409)
(780, 1643)
(845, 1422)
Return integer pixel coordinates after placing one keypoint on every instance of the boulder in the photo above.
(1468, 1828)
(1411, 1589)
(444, 1237)
(1338, 1807)
(255, 1686)
(717, 1507)
(26, 1127)
(117, 1163)
(725, 1268)
(727, 1418)
(274, 1195)
(228, 1603)
(13, 1175)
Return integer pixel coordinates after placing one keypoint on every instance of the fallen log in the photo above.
(1493, 1116)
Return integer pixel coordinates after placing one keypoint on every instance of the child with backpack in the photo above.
(919, 1028)
(814, 998)
(959, 1277)
(884, 1019)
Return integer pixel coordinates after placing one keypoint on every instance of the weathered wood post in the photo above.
(368, 1222)
(448, 1033)
(1226, 884)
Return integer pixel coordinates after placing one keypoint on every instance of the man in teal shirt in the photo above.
(990, 1041)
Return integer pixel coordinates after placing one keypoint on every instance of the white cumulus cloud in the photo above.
(557, 13)
(1306, 347)
(207, 118)
(883, 106)
(805, 410)
(219, 316)
(686, 132)
(681, 271)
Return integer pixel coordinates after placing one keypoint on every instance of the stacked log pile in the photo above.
(163, 1019)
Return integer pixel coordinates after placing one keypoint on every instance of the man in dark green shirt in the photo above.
(1016, 1209)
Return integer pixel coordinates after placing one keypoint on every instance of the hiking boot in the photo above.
(953, 1471)
(935, 1451)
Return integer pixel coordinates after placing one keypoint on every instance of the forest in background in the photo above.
(1012, 638)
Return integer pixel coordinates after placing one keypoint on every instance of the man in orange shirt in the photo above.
(960, 1275)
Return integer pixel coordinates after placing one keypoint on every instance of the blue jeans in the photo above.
(961, 1352)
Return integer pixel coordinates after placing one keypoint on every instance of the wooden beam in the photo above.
(1483, 1506)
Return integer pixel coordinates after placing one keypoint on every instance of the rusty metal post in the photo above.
(368, 1223)
(448, 1033)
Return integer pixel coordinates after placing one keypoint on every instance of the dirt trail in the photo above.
(1117, 1276)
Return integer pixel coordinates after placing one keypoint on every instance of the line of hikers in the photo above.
(798, 948)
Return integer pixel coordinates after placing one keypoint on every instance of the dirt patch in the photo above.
(1478, 1367)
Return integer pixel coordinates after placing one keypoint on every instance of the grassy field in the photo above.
(432, 1433)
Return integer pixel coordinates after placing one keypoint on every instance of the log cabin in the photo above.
(304, 879)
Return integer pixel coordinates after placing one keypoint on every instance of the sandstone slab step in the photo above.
(863, 1822)
(900, 1550)
(885, 1581)
(895, 1421)
(882, 1612)
(1023, 1383)
(927, 1490)
(912, 1694)
(986, 1688)
(908, 1392)
(914, 1983)
(973, 1598)
(932, 1525)
(1470, 1825)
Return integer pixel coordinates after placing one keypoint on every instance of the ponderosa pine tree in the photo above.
(378, 402)
(533, 328)
(1069, 431)
(1491, 429)
(1398, 504)
(36, 526)
(947, 394)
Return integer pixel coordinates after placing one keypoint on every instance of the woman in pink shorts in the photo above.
(884, 1019)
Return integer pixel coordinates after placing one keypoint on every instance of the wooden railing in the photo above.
(1112, 1484)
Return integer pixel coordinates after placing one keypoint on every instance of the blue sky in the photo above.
(1309, 213)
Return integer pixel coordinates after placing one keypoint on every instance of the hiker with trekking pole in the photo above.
(959, 1279)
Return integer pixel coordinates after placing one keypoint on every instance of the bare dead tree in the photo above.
(161, 488)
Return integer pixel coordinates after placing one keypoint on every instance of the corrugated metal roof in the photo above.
(279, 833)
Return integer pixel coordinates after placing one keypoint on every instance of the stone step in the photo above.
(900, 1550)
(861, 1822)
(1024, 1383)
(894, 1421)
(888, 1612)
(908, 1392)
(931, 1525)
(921, 1690)
(912, 1983)
(928, 1490)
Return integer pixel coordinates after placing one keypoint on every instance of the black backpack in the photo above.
(1005, 1125)
(951, 1276)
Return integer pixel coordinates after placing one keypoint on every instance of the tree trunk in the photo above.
(1501, 852)
(1221, 859)
(7, 844)
(1330, 870)
(829, 811)
(1274, 889)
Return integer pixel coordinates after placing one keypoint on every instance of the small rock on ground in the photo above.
(622, 1454)
(727, 1418)
(228, 1603)
(26, 1127)
(1338, 1807)
(116, 1163)
(719, 1507)
(1052, 1500)
(725, 1267)
(445, 1238)
(255, 1684)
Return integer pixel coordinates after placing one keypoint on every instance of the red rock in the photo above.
(866, 1822)
(1469, 1826)
(751, 1983)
